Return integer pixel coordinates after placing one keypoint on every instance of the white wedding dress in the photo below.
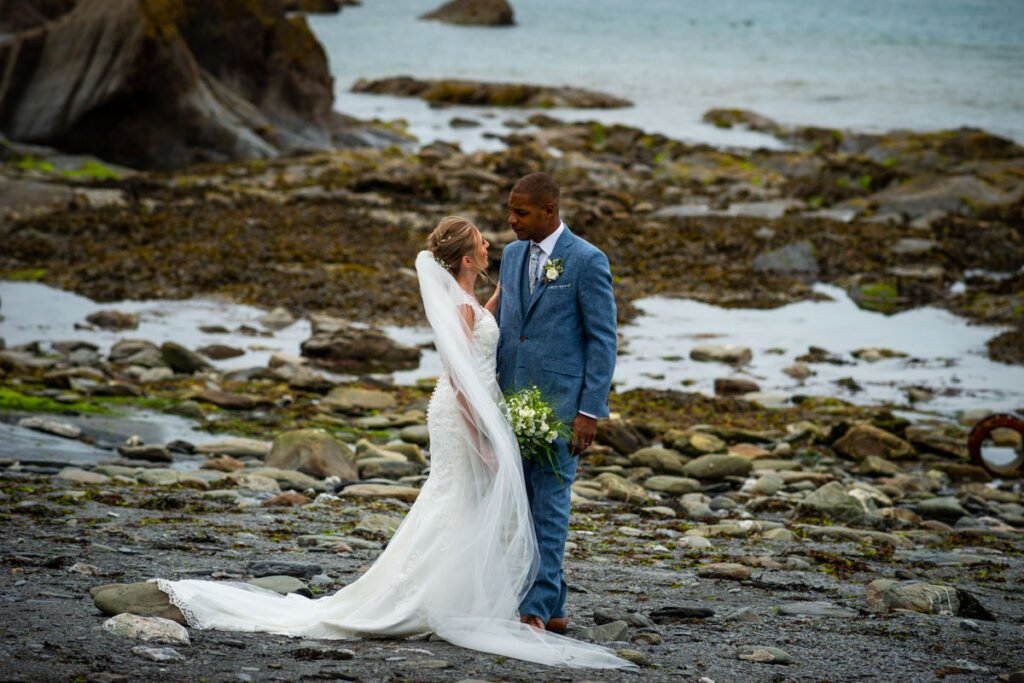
(465, 554)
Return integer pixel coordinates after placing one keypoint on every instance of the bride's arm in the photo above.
(492, 303)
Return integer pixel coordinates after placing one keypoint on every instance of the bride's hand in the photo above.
(492, 303)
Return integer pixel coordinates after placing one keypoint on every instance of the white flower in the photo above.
(551, 274)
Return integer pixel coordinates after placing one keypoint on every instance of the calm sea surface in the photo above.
(869, 65)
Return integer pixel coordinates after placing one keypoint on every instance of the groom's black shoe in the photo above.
(557, 625)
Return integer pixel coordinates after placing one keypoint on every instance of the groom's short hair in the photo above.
(539, 187)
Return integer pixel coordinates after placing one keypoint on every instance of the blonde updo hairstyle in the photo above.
(453, 238)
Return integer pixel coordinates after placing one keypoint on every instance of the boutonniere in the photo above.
(552, 269)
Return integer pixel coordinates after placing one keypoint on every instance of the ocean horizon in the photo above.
(869, 66)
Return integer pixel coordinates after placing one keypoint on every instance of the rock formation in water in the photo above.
(474, 13)
(450, 91)
(162, 84)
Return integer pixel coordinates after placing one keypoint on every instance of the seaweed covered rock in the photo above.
(474, 13)
(182, 81)
(478, 93)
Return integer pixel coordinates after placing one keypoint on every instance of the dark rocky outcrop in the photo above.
(181, 81)
(318, 6)
(474, 13)
(489, 94)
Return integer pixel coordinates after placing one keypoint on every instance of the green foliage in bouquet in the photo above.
(536, 426)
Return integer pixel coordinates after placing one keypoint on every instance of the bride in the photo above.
(465, 554)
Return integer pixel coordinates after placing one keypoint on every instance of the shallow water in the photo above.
(868, 65)
(945, 353)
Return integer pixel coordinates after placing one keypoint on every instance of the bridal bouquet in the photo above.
(535, 425)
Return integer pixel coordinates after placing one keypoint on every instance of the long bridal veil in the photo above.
(465, 554)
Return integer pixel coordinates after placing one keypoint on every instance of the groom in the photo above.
(557, 316)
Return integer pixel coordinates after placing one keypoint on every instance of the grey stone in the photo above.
(731, 354)
(763, 654)
(148, 629)
(142, 599)
(378, 524)
(417, 434)
(612, 631)
(675, 486)
(264, 568)
(182, 360)
(863, 440)
(947, 509)
(236, 447)
(313, 452)
(816, 609)
(713, 467)
(661, 460)
(795, 259)
(833, 500)
(80, 476)
(282, 584)
(159, 654)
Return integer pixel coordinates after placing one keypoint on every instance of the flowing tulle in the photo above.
(465, 554)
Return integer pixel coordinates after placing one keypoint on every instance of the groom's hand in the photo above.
(584, 429)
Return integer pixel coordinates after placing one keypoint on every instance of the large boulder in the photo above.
(313, 452)
(180, 81)
(474, 13)
(349, 349)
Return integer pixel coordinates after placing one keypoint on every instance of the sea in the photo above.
(867, 65)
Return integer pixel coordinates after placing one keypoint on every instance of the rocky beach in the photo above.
(753, 529)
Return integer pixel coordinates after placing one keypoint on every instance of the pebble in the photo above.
(159, 654)
(763, 654)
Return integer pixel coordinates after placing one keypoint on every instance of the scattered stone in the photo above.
(863, 440)
(661, 460)
(378, 525)
(221, 352)
(224, 463)
(159, 654)
(403, 493)
(875, 354)
(719, 353)
(675, 486)
(635, 656)
(798, 371)
(817, 609)
(149, 453)
(620, 435)
(142, 599)
(729, 386)
(113, 320)
(606, 633)
(947, 509)
(264, 568)
(182, 360)
(148, 629)
(357, 401)
(277, 319)
(80, 476)
(232, 401)
(40, 424)
(415, 434)
(833, 500)
(886, 595)
(619, 488)
(725, 570)
(793, 259)
(237, 447)
(287, 499)
(763, 654)
(677, 613)
(283, 585)
(698, 443)
(314, 452)
(744, 615)
(340, 347)
(714, 467)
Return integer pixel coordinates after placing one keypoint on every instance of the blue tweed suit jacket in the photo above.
(562, 339)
